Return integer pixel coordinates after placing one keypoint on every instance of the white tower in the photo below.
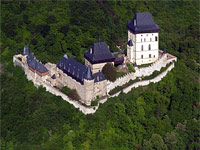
(143, 41)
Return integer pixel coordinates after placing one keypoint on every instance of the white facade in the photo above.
(145, 47)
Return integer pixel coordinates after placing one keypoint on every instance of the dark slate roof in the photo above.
(29, 57)
(100, 53)
(35, 64)
(26, 50)
(88, 74)
(144, 23)
(53, 76)
(73, 69)
(119, 61)
(98, 77)
(41, 68)
(130, 43)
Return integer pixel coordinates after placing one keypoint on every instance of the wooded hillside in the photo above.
(164, 115)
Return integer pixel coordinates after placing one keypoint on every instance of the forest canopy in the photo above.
(164, 115)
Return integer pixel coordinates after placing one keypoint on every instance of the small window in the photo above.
(145, 39)
(150, 39)
(149, 55)
(149, 46)
(147, 34)
(154, 56)
(142, 56)
(156, 38)
(152, 34)
(142, 48)
(141, 40)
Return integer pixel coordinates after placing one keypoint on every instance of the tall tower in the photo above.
(143, 41)
(89, 86)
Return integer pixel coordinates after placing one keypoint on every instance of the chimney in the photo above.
(134, 22)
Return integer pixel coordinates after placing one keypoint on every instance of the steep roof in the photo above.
(99, 53)
(72, 68)
(98, 77)
(144, 24)
(35, 64)
(88, 74)
(26, 50)
(130, 43)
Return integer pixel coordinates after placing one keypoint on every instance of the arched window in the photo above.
(156, 38)
(149, 46)
(142, 48)
(145, 39)
(142, 56)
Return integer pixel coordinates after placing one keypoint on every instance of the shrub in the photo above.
(71, 93)
(74, 95)
(130, 68)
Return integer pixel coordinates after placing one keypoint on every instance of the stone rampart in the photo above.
(140, 72)
(146, 82)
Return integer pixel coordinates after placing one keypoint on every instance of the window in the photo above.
(147, 35)
(149, 55)
(154, 56)
(156, 38)
(150, 39)
(142, 56)
(141, 40)
(145, 39)
(149, 46)
(142, 47)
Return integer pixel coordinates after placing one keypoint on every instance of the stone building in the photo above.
(143, 41)
(97, 56)
(68, 72)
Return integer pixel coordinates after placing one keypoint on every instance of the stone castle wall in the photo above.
(140, 72)
(87, 91)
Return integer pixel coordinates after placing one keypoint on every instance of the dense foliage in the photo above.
(71, 93)
(110, 72)
(164, 115)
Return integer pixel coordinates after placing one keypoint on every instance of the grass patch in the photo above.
(120, 74)
(144, 65)
(131, 68)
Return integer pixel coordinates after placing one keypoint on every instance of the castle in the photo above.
(88, 79)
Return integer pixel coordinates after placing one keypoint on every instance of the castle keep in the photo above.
(143, 41)
(88, 80)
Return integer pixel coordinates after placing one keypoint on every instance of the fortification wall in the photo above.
(146, 82)
(145, 71)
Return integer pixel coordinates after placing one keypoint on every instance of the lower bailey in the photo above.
(88, 91)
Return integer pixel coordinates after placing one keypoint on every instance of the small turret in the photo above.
(130, 43)
(26, 50)
(89, 86)
(135, 65)
(88, 75)
(65, 55)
